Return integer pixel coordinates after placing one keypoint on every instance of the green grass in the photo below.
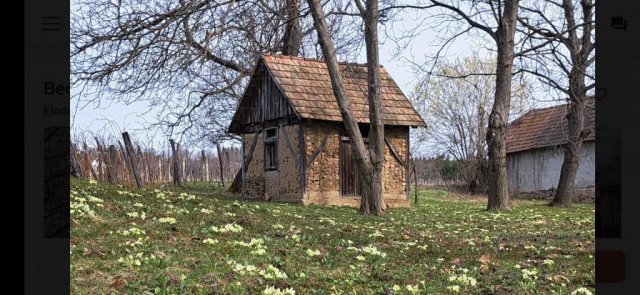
(444, 241)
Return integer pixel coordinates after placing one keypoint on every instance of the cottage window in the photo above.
(364, 131)
(270, 149)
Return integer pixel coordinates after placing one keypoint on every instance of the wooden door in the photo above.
(349, 177)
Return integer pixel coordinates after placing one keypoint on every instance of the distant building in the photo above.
(535, 149)
(296, 148)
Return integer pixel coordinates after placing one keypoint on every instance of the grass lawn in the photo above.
(195, 241)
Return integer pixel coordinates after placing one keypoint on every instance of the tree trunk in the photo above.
(497, 132)
(132, 159)
(203, 166)
(228, 161)
(477, 183)
(573, 147)
(579, 50)
(292, 35)
(184, 173)
(369, 203)
(221, 166)
(176, 164)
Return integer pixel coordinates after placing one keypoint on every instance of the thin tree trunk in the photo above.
(497, 133)
(221, 166)
(133, 159)
(371, 202)
(184, 172)
(176, 165)
(360, 152)
(292, 35)
(477, 183)
(203, 166)
(228, 161)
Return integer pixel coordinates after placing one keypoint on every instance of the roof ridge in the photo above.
(280, 55)
(588, 100)
(548, 108)
(534, 111)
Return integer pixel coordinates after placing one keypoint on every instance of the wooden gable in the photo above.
(262, 101)
(287, 87)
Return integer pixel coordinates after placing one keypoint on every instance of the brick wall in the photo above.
(323, 176)
(393, 174)
(323, 173)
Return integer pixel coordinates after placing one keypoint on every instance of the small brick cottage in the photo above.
(295, 147)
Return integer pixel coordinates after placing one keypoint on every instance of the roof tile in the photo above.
(546, 127)
(307, 85)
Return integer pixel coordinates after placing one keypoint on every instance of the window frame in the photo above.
(272, 142)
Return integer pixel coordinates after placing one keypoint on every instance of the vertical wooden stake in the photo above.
(132, 158)
(415, 181)
(203, 168)
(176, 166)
(111, 165)
(221, 166)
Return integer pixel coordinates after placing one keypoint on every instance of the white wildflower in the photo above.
(581, 291)
(169, 220)
(210, 241)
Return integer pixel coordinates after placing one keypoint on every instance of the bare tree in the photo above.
(565, 64)
(497, 19)
(456, 106)
(189, 60)
(293, 35)
(369, 162)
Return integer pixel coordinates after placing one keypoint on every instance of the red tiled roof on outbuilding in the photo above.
(546, 127)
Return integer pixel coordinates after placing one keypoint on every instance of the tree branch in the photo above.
(467, 18)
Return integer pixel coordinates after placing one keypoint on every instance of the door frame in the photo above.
(343, 139)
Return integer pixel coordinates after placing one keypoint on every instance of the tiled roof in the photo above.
(306, 84)
(546, 127)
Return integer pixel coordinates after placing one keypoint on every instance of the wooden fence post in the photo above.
(415, 181)
(132, 158)
(176, 166)
(111, 166)
(205, 167)
(228, 161)
(221, 166)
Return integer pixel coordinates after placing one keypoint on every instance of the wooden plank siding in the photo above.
(265, 103)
